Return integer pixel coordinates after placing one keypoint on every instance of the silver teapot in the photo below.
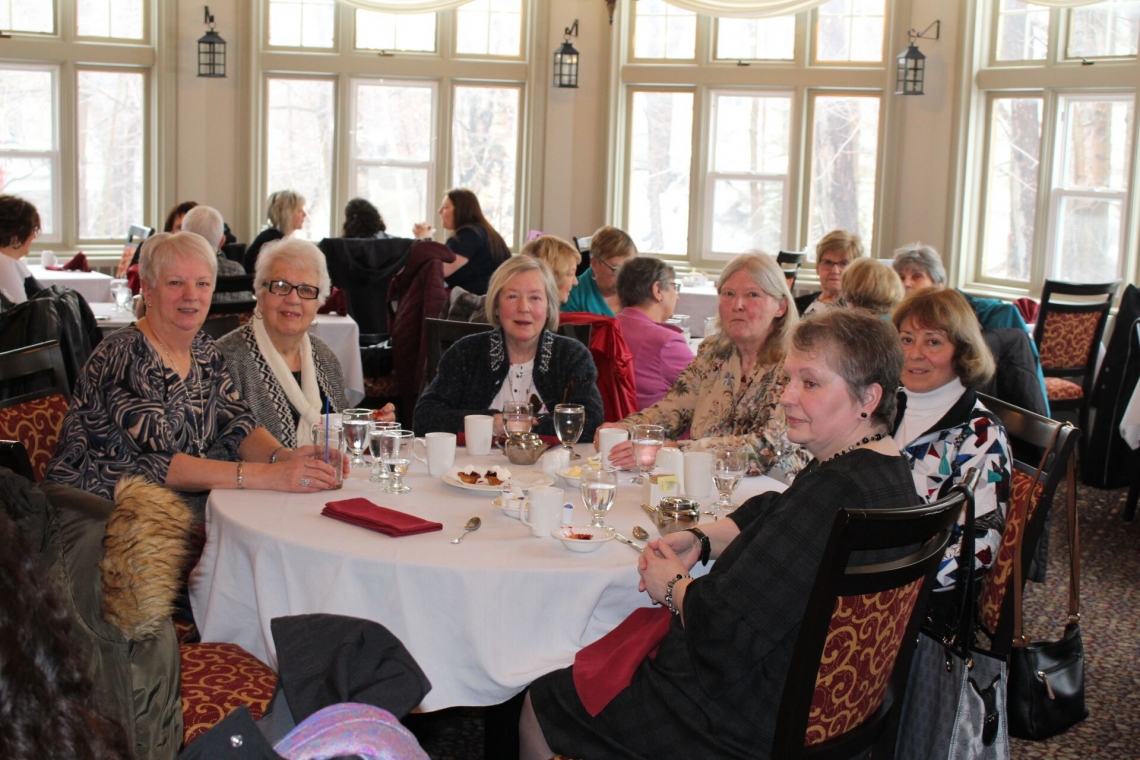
(523, 448)
(674, 513)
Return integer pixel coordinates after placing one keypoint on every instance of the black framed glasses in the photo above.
(282, 288)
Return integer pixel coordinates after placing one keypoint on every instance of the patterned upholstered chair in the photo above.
(1030, 434)
(852, 656)
(33, 385)
(1068, 338)
(216, 680)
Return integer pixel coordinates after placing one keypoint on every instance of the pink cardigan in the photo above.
(659, 354)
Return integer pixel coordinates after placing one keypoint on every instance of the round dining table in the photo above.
(484, 618)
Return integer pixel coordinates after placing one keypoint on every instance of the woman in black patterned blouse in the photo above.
(155, 398)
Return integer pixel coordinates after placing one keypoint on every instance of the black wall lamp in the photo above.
(911, 72)
(211, 51)
(566, 60)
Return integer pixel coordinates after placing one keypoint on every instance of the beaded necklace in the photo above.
(195, 414)
(857, 444)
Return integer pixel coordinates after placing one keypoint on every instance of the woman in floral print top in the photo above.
(729, 396)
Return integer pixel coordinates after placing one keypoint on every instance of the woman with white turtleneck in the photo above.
(941, 427)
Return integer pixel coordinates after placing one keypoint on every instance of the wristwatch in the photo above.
(668, 601)
(706, 545)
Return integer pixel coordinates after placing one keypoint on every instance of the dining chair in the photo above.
(1026, 513)
(233, 283)
(1068, 335)
(860, 629)
(33, 385)
(235, 252)
(441, 333)
(790, 262)
(583, 246)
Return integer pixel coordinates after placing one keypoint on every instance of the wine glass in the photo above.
(121, 292)
(598, 489)
(396, 451)
(380, 472)
(569, 420)
(647, 441)
(356, 435)
(517, 416)
(728, 469)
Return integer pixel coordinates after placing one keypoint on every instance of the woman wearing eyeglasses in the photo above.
(596, 291)
(284, 373)
(157, 399)
(833, 253)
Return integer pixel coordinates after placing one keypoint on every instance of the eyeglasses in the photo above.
(282, 288)
(608, 264)
(829, 264)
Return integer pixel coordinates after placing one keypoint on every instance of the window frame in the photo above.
(55, 154)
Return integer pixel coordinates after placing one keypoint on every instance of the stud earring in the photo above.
(863, 415)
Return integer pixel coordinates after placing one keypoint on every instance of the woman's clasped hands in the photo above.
(663, 560)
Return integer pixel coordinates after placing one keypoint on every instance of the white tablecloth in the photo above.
(95, 287)
(700, 303)
(483, 618)
(341, 333)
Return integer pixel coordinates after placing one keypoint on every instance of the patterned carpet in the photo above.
(1110, 626)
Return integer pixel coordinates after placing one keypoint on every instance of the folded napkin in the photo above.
(78, 263)
(604, 668)
(461, 439)
(365, 514)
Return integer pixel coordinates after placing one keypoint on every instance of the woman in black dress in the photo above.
(714, 688)
(479, 249)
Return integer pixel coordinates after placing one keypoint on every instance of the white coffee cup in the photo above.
(672, 461)
(607, 439)
(543, 510)
(698, 474)
(477, 428)
(555, 460)
(439, 452)
(47, 259)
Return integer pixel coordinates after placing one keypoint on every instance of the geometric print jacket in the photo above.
(968, 435)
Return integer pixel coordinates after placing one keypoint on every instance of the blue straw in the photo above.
(327, 429)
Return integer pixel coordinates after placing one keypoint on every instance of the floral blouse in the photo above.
(716, 407)
(130, 414)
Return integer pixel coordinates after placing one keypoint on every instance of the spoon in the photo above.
(472, 525)
(640, 533)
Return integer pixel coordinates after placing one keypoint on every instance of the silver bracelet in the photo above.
(276, 451)
(669, 593)
(241, 474)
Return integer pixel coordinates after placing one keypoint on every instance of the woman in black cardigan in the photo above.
(521, 359)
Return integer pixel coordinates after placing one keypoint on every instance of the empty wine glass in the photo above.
(647, 441)
(517, 416)
(380, 472)
(569, 419)
(728, 469)
(396, 451)
(598, 489)
(356, 435)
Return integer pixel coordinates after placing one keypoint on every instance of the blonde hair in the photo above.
(517, 265)
(766, 273)
(159, 250)
(282, 205)
(560, 256)
(872, 285)
(839, 240)
(609, 243)
(948, 311)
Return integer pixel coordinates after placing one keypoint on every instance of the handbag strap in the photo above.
(967, 612)
(1019, 639)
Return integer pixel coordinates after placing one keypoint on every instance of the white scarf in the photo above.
(306, 397)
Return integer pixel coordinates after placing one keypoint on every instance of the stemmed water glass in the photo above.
(728, 469)
(647, 441)
(598, 489)
(380, 472)
(569, 419)
(396, 451)
(357, 427)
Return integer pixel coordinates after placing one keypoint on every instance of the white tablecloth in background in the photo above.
(95, 287)
(483, 618)
(341, 333)
(700, 303)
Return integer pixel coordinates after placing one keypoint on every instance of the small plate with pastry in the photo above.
(491, 478)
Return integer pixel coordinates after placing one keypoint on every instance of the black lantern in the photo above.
(566, 61)
(211, 51)
(911, 71)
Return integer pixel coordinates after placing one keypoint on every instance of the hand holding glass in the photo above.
(647, 441)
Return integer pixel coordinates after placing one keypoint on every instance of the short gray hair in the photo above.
(636, 277)
(282, 205)
(207, 222)
(160, 249)
(292, 251)
(517, 265)
(923, 257)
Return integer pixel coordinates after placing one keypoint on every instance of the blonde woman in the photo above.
(833, 254)
(286, 214)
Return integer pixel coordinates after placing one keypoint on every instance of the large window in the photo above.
(1054, 164)
(443, 105)
(722, 159)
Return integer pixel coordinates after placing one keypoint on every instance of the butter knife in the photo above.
(636, 546)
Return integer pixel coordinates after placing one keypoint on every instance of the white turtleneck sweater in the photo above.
(925, 409)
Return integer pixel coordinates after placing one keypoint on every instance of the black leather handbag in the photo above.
(1047, 678)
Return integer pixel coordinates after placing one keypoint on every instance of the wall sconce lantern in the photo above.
(911, 72)
(211, 51)
(566, 61)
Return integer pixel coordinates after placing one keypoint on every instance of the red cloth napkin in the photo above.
(78, 263)
(604, 668)
(335, 304)
(551, 440)
(365, 514)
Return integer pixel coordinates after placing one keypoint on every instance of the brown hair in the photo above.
(873, 285)
(766, 273)
(177, 211)
(19, 220)
(947, 310)
(611, 243)
(839, 240)
(468, 213)
(560, 256)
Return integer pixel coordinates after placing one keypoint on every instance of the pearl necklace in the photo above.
(857, 444)
(195, 414)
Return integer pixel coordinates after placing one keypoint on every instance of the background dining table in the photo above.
(483, 618)
(95, 287)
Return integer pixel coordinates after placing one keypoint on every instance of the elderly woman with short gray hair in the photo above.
(156, 399)
(919, 266)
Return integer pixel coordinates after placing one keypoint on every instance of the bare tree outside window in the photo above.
(1106, 29)
(845, 146)
(659, 170)
(485, 144)
(112, 147)
(1022, 31)
(1014, 165)
(28, 151)
(299, 140)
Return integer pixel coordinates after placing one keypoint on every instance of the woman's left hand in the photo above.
(658, 565)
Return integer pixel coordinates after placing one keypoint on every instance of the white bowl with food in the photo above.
(572, 475)
(582, 538)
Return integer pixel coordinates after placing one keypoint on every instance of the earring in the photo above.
(863, 415)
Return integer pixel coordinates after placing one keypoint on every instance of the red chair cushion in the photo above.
(858, 658)
(216, 680)
(1060, 389)
(1067, 339)
(995, 584)
(35, 424)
